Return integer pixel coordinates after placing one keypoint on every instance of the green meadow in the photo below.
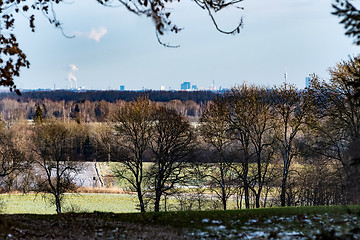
(85, 202)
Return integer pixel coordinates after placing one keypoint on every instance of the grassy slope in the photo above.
(306, 221)
(194, 218)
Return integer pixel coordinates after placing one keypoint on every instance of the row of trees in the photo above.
(251, 139)
(12, 111)
(110, 95)
(277, 146)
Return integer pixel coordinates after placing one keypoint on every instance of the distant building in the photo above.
(122, 88)
(185, 86)
(194, 88)
(162, 88)
(307, 82)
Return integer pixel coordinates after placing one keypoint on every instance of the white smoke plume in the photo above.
(71, 77)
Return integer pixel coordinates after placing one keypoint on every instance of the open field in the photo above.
(100, 202)
(337, 222)
(86, 202)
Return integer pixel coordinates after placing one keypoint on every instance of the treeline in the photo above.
(261, 147)
(110, 96)
(12, 110)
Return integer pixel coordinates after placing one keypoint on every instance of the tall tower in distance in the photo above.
(185, 86)
(285, 78)
(213, 87)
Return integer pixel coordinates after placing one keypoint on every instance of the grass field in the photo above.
(100, 202)
(86, 202)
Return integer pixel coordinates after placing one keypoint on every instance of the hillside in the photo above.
(337, 222)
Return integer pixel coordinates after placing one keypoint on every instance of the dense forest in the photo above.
(110, 96)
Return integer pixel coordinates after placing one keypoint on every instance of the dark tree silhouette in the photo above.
(39, 115)
(350, 18)
(159, 12)
(133, 125)
(172, 142)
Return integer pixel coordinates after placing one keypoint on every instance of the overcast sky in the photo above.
(113, 47)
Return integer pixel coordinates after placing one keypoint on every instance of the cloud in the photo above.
(95, 33)
(73, 67)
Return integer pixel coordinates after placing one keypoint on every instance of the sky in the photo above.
(114, 47)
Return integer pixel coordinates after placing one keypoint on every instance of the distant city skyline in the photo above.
(113, 47)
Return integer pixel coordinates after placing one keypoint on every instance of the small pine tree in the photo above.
(39, 116)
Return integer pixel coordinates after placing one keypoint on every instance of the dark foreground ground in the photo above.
(80, 226)
(339, 222)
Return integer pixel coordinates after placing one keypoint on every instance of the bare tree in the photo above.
(215, 129)
(53, 145)
(172, 142)
(133, 126)
(262, 135)
(290, 108)
(240, 103)
(13, 158)
(337, 129)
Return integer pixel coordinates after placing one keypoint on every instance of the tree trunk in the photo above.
(284, 180)
(141, 201)
(223, 191)
(257, 199)
(58, 204)
(223, 198)
(157, 200)
(239, 202)
(247, 198)
(266, 196)
(283, 191)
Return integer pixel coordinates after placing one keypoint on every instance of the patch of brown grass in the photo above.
(111, 190)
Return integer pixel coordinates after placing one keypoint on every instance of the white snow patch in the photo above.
(268, 221)
(251, 221)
